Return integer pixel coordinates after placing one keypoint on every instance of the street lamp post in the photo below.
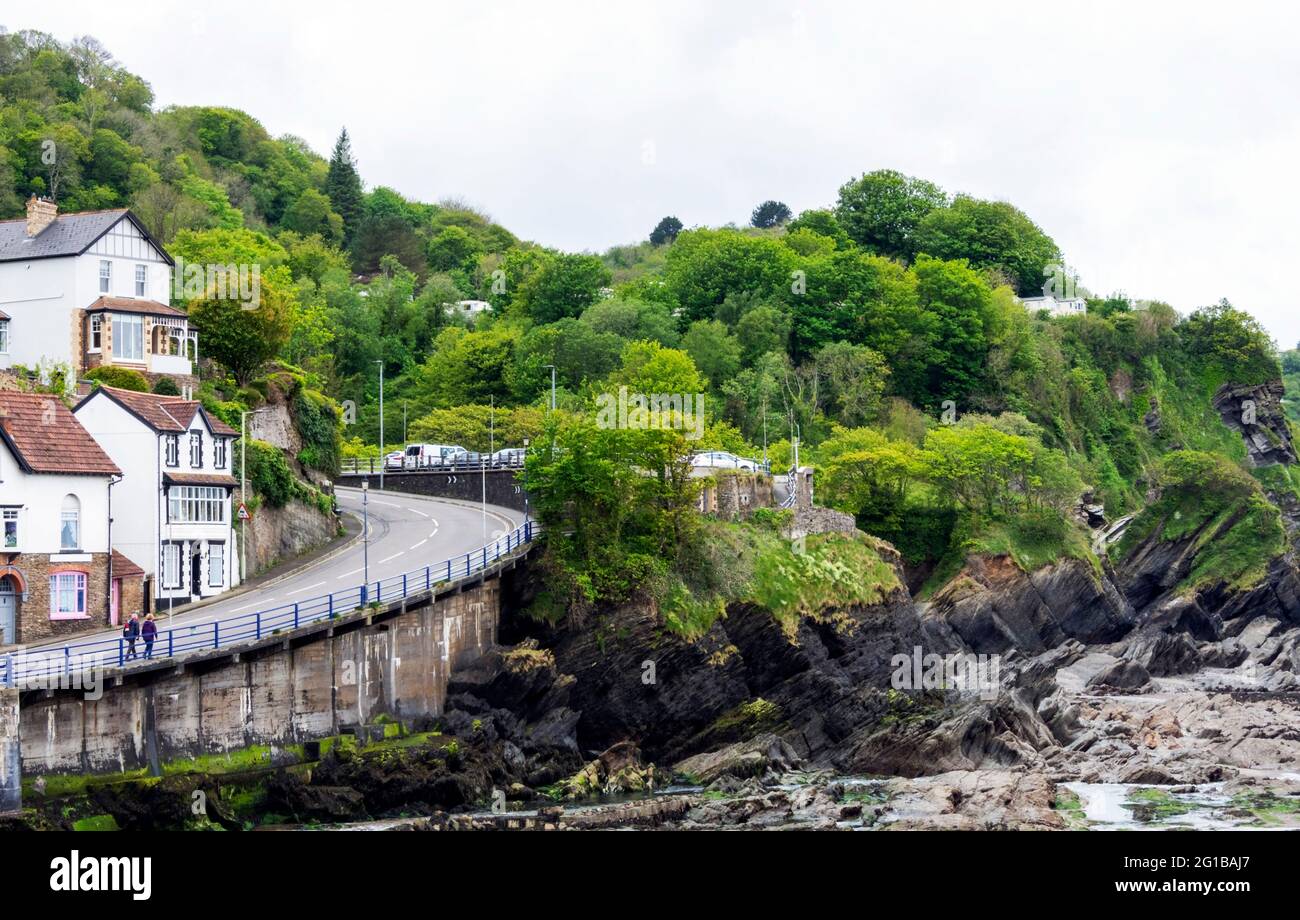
(243, 489)
(383, 448)
(365, 537)
(552, 367)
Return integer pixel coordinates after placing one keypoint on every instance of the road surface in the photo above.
(407, 532)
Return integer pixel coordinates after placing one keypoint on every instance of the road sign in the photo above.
(244, 514)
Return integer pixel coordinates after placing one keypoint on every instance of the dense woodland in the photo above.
(884, 330)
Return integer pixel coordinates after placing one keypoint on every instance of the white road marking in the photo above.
(390, 558)
(434, 534)
(300, 590)
(421, 543)
(350, 574)
(417, 511)
(375, 501)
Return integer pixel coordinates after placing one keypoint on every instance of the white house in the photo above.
(178, 486)
(56, 489)
(88, 289)
(470, 310)
(1073, 306)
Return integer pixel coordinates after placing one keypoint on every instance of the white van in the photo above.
(422, 456)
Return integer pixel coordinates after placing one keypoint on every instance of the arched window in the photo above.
(70, 523)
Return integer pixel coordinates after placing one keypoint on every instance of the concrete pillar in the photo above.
(11, 780)
(804, 487)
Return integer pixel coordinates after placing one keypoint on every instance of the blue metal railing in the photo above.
(48, 667)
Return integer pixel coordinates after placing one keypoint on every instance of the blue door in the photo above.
(8, 612)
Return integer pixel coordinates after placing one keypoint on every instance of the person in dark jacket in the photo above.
(149, 632)
(131, 632)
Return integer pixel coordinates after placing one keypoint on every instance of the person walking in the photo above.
(149, 632)
(131, 632)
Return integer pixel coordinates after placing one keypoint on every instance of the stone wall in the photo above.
(278, 534)
(34, 623)
(394, 664)
(504, 487)
(11, 789)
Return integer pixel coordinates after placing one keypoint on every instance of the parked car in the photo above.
(459, 456)
(509, 456)
(394, 460)
(419, 456)
(720, 459)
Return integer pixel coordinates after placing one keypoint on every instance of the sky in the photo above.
(1156, 143)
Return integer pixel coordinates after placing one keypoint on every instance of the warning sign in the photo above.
(244, 514)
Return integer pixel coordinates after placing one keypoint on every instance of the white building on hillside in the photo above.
(88, 289)
(1073, 306)
(178, 486)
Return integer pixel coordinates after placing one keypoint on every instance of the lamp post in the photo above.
(552, 367)
(243, 489)
(383, 448)
(365, 537)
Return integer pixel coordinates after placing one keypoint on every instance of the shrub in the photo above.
(121, 377)
(166, 386)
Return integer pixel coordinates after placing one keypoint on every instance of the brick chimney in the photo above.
(41, 212)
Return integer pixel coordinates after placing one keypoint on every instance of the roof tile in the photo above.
(48, 438)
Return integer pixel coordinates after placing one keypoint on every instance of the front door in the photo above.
(115, 597)
(8, 612)
(196, 575)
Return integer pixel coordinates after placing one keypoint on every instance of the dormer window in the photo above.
(105, 276)
(141, 280)
(173, 450)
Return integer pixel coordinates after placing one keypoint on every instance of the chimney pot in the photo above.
(41, 212)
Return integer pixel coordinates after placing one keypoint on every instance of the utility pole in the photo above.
(483, 461)
(243, 492)
(405, 436)
(383, 448)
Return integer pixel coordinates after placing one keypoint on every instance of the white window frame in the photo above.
(105, 276)
(4, 336)
(219, 453)
(196, 449)
(70, 515)
(122, 323)
(141, 280)
(71, 587)
(96, 333)
(171, 565)
(196, 505)
(172, 450)
(11, 516)
(216, 565)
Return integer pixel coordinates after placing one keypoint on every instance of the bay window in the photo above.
(196, 505)
(96, 332)
(128, 337)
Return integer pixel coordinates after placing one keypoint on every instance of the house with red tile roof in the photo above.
(56, 494)
(178, 485)
(89, 289)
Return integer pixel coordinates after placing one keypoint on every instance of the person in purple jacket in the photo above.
(149, 632)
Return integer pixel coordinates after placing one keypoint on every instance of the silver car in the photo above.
(722, 460)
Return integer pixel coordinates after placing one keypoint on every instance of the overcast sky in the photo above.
(1157, 144)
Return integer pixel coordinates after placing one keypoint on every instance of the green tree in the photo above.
(770, 214)
(665, 231)
(989, 235)
(311, 214)
(452, 249)
(565, 285)
(343, 185)
(714, 350)
(244, 339)
(883, 209)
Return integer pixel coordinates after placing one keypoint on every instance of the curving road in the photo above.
(407, 532)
